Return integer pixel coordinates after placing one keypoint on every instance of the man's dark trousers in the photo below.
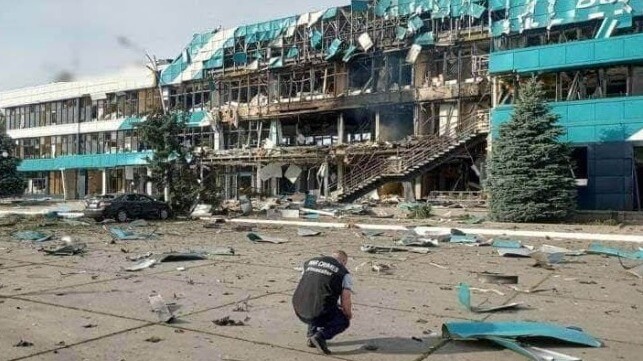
(329, 324)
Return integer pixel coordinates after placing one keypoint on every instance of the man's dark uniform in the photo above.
(317, 295)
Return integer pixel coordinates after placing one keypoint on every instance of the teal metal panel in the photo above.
(588, 121)
(595, 52)
(92, 161)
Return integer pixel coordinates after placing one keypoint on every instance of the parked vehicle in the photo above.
(125, 207)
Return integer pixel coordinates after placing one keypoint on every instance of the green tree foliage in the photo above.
(170, 162)
(12, 184)
(530, 177)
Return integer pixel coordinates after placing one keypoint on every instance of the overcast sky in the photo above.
(40, 38)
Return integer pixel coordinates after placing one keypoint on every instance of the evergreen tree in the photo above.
(530, 177)
(12, 184)
(170, 163)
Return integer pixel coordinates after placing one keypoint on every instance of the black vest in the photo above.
(319, 288)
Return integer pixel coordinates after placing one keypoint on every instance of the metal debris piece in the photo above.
(382, 268)
(464, 296)
(75, 223)
(120, 234)
(257, 238)
(554, 249)
(547, 260)
(411, 240)
(512, 252)
(503, 243)
(139, 223)
(596, 248)
(372, 233)
(370, 248)
(305, 232)
(23, 343)
(522, 330)
(221, 251)
(226, 321)
(139, 257)
(181, 257)
(533, 353)
(154, 339)
(34, 236)
(466, 238)
(141, 265)
(161, 308)
(497, 278)
(68, 249)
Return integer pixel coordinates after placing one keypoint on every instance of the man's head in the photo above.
(341, 256)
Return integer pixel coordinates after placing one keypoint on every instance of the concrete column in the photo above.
(326, 183)
(377, 125)
(62, 177)
(275, 186)
(104, 173)
(417, 126)
(340, 174)
(341, 136)
(148, 184)
(418, 187)
(259, 184)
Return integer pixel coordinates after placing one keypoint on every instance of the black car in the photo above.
(126, 206)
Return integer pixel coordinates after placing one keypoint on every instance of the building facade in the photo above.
(395, 94)
(77, 138)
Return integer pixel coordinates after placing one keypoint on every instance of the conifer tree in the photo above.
(12, 184)
(530, 173)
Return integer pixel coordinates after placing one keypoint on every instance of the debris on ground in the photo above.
(505, 244)
(154, 339)
(471, 219)
(120, 234)
(515, 252)
(68, 248)
(381, 268)
(160, 308)
(547, 260)
(306, 232)
(139, 257)
(372, 233)
(139, 223)
(226, 321)
(141, 265)
(596, 248)
(497, 278)
(464, 296)
(242, 228)
(412, 240)
(221, 251)
(201, 210)
(258, 238)
(242, 306)
(75, 223)
(513, 335)
(23, 343)
(371, 347)
(308, 211)
(370, 248)
(34, 236)
(181, 257)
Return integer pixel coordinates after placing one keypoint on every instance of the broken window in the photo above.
(549, 82)
(616, 81)
(637, 80)
(580, 163)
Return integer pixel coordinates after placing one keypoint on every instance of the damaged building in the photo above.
(396, 96)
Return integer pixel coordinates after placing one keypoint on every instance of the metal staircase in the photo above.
(411, 160)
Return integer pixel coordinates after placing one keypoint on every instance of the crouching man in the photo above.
(324, 282)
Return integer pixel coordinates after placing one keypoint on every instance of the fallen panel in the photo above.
(512, 252)
(370, 248)
(497, 278)
(34, 236)
(221, 251)
(66, 250)
(467, 238)
(161, 309)
(596, 248)
(127, 235)
(521, 330)
(305, 232)
(181, 257)
(533, 353)
(502, 243)
(257, 238)
(412, 240)
(141, 265)
(464, 296)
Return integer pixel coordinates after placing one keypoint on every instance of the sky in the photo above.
(39, 39)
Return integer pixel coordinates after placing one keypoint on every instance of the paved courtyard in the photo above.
(88, 308)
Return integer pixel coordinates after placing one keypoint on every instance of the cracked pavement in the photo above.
(88, 308)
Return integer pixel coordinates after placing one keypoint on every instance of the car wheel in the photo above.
(121, 216)
(164, 214)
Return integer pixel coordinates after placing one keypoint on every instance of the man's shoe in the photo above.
(310, 343)
(320, 343)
